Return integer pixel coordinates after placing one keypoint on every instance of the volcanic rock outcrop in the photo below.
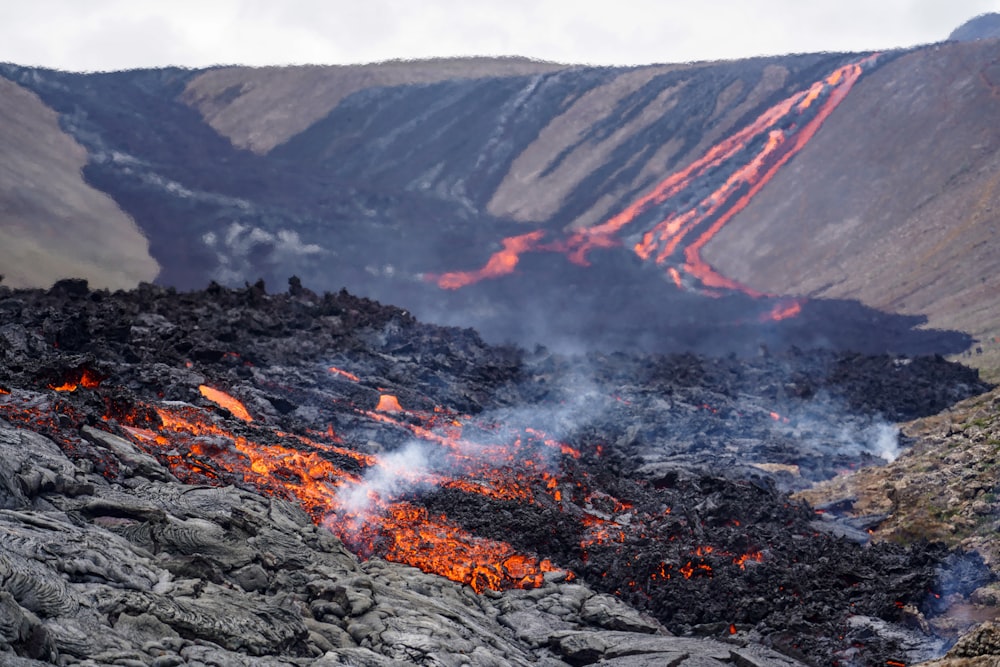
(232, 475)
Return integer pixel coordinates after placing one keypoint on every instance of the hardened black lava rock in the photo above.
(677, 503)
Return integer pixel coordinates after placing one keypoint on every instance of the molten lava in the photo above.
(344, 374)
(199, 448)
(783, 310)
(388, 403)
(83, 377)
(226, 401)
(732, 172)
(333, 483)
(501, 263)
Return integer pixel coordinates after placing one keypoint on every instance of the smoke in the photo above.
(405, 470)
(883, 439)
(242, 251)
(488, 441)
(828, 428)
(854, 436)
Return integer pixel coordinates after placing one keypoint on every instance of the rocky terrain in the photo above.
(942, 488)
(708, 422)
(102, 572)
(492, 193)
(286, 458)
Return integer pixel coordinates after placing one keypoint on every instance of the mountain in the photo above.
(984, 26)
(841, 200)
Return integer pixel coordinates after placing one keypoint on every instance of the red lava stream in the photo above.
(751, 156)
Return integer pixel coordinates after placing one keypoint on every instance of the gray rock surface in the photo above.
(155, 573)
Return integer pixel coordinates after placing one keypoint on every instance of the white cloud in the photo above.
(116, 34)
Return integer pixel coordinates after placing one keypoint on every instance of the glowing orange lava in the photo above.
(408, 534)
(344, 374)
(784, 310)
(751, 157)
(85, 378)
(742, 559)
(199, 449)
(226, 401)
(501, 263)
(388, 403)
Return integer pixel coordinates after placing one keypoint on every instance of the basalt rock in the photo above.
(187, 481)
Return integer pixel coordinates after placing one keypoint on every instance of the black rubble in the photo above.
(670, 528)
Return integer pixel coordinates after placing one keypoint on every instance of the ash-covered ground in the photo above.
(214, 440)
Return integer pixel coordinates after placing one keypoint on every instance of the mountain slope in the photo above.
(259, 108)
(55, 224)
(709, 206)
(896, 202)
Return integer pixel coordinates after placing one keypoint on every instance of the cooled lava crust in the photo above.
(661, 479)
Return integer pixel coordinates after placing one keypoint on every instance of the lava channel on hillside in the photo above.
(675, 220)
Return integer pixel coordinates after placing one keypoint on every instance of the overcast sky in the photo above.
(118, 34)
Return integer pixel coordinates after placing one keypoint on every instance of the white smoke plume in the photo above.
(402, 471)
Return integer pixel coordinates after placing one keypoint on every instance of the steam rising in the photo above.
(831, 428)
(403, 471)
(419, 466)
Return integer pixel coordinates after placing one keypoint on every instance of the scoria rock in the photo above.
(105, 578)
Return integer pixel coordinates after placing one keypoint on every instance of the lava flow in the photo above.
(201, 450)
(82, 377)
(732, 172)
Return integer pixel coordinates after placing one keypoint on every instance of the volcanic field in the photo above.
(190, 465)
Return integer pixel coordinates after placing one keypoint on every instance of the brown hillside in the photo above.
(259, 108)
(53, 224)
(535, 188)
(894, 202)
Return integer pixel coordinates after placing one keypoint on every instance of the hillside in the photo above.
(492, 193)
(53, 223)
(895, 203)
(633, 310)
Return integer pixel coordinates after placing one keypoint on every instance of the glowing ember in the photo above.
(226, 401)
(741, 560)
(85, 378)
(778, 418)
(388, 403)
(697, 569)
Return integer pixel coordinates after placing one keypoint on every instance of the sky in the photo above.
(86, 35)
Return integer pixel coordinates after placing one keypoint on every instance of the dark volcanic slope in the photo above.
(650, 478)
(575, 205)
(397, 185)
